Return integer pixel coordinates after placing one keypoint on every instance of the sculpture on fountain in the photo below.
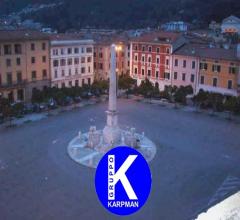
(88, 148)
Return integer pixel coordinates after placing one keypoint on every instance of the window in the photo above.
(33, 60)
(166, 75)
(83, 81)
(76, 83)
(135, 70)
(193, 64)
(167, 62)
(149, 59)
(89, 81)
(76, 61)
(55, 51)
(203, 66)
(149, 49)
(44, 59)
(100, 55)
(230, 84)
(55, 63)
(135, 47)
(43, 46)
(83, 70)
(83, 50)
(55, 74)
(89, 59)
(167, 50)
(149, 72)
(143, 48)
(158, 50)
(157, 74)
(32, 46)
(184, 64)
(175, 75)
(192, 78)
(202, 80)
(89, 69)
(69, 72)
(63, 62)
(158, 60)
(143, 58)
(70, 83)
(215, 82)
(63, 73)
(232, 70)
(18, 61)
(216, 68)
(63, 85)
(176, 62)
(89, 49)
(9, 78)
(20, 94)
(62, 51)
(76, 71)
(83, 60)
(7, 49)
(18, 48)
(76, 50)
(135, 57)
(70, 61)
(19, 77)
(8, 62)
(183, 76)
(69, 50)
(44, 74)
(34, 75)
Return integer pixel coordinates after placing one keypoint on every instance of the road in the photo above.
(38, 180)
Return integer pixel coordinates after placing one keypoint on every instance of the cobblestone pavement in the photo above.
(38, 181)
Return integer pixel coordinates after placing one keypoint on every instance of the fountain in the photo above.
(88, 148)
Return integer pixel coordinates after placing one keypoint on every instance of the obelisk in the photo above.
(111, 132)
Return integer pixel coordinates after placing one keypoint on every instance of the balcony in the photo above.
(14, 84)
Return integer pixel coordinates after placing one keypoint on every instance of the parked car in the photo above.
(28, 108)
(52, 104)
(77, 99)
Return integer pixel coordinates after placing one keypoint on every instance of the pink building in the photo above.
(185, 67)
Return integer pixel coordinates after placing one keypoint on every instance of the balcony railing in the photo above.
(13, 84)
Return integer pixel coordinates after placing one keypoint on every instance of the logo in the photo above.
(123, 180)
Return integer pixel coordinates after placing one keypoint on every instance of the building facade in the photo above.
(231, 25)
(151, 57)
(185, 67)
(102, 58)
(71, 61)
(24, 64)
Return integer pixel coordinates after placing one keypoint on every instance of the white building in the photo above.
(231, 24)
(175, 26)
(71, 62)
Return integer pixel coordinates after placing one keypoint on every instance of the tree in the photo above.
(200, 98)
(146, 88)
(231, 105)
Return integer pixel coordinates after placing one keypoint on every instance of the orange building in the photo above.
(102, 50)
(24, 64)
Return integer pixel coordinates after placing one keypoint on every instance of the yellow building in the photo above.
(24, 64)
(219, 70)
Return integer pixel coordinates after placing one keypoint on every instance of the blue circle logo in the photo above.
(123, 180)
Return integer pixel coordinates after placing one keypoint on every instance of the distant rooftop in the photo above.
(158, 37)
(205, 51)
(22, 35)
